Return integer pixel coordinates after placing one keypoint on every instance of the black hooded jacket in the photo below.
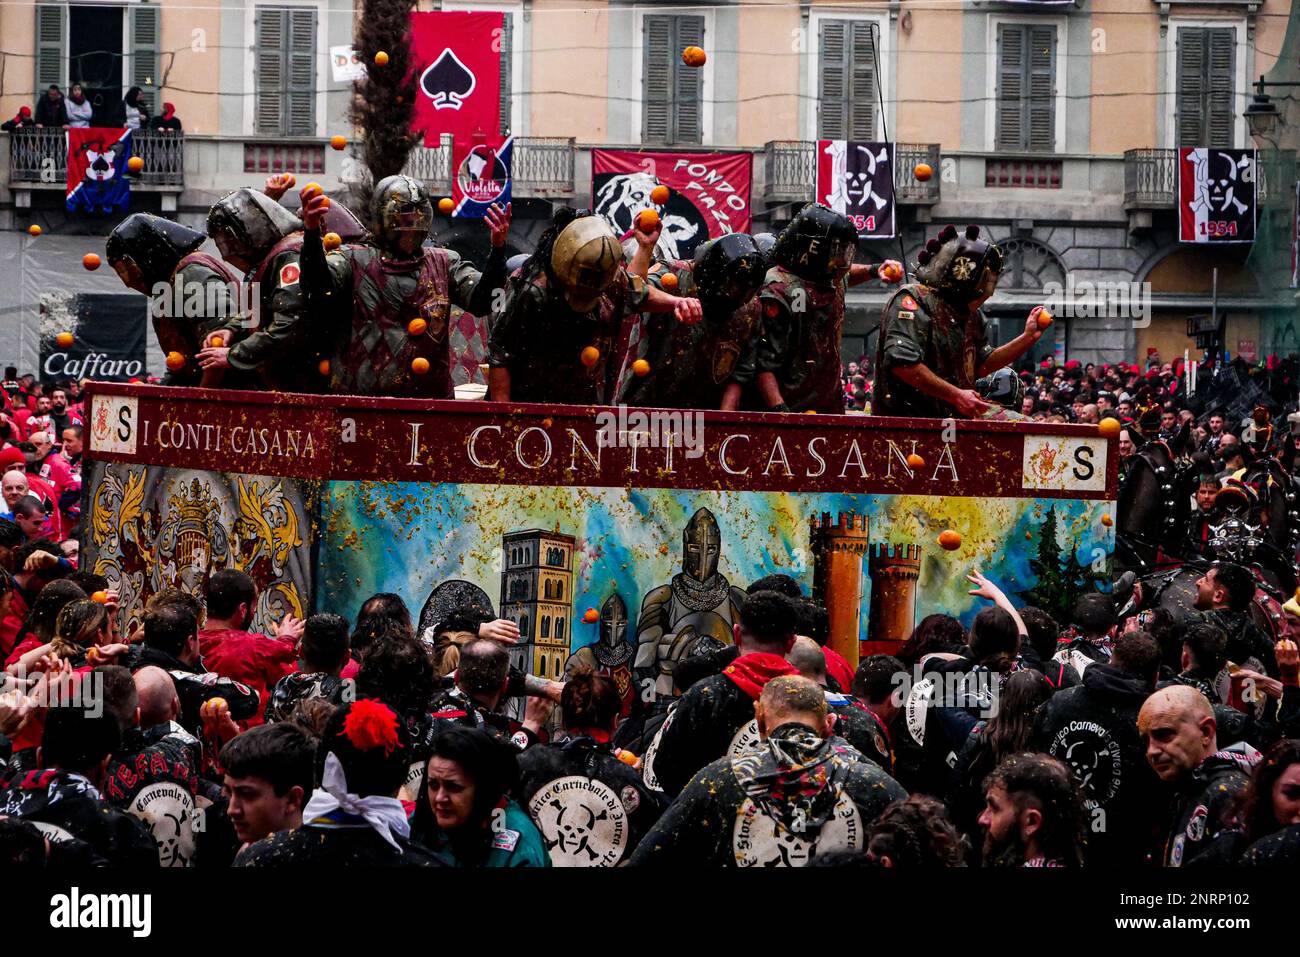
(1200, 807)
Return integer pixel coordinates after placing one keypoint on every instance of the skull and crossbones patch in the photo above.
(583, 822)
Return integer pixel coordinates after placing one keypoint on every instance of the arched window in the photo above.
(559, 591)
(523, 627)
(546, 626)
(559, 628)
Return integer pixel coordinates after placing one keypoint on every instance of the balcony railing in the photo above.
(792, 171)
(1151, 179)
(267, 158)
(39, 157)
(543, 166)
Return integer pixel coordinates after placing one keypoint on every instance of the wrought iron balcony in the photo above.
(543, 166)
(792, 171)
(39, 158)
(1151, 179)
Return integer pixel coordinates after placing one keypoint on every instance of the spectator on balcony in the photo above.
(20, 119)
(136, 109)
(167, 121)
(78, 107)
(50, 109)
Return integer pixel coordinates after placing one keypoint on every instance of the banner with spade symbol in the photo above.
(456, 59)
(857, 179)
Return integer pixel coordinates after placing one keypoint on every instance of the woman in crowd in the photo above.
(135, 109)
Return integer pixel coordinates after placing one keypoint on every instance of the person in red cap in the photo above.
(23, 118)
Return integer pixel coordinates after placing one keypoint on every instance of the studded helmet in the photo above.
(729, 270)
(818, 244)
(960, 267)
(145, 249)
(585, 259)
(245, 225)
(401, 213)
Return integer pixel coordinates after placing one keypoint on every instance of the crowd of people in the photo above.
(76, 111)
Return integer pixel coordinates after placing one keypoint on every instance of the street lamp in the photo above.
(1262, 114)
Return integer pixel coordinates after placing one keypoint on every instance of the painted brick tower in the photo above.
(837, 576)
(894, 573)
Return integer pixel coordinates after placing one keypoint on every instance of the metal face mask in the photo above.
(702, 545)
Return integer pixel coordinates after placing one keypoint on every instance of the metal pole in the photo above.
(1214, 310)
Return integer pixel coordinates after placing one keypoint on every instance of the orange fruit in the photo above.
(446, 205)
(135, 164)
(647, 220)
(339, 142)
(590, 616)
(214, 705)
(34, 230)
(810, 412)
(332, 241)
(1107, 520)
(891, 272)
(64, 339)
(915, 461)
(100, 598)
(420, 365)
(290, 179)
(312, 189)
(325, 202)
(1044, 317)
(381, 58)
(590, 356)
(323, 367)
(1109, 427)
(215, 341)
(175, 361)
(950, 540)
(694, 56)
(669, 281)
(417, 327)
(923, 171)
(641, 367)
(90, 261)
(659, 195)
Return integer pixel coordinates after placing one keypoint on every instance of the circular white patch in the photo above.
(582, 821)
(648, 762)
(918, 704)
(746, 739)
(760, 840)
(167, 809)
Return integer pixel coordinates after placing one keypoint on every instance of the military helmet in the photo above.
(960, 267)
(817, 245)
(245, 225)
(586, 258)
(729, 269)
(341, 220)
(401, 214)
(146, 249)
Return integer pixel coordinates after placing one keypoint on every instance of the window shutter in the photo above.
(832, 93)
(507, 53)
(1010, 101)
(656, 93)
(1041, 106)
(300, 56)
(269, 64)
(862, 95)
(1190, 104)
(1221, 74)
(50, 58)
(688, 84)
(144, 52)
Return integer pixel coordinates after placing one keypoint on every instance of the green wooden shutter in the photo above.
(1220, 83)
(269, 69)
(833, 81)
(144, 51)
(657, 78)
(862, 89)
(300, 56)
(1040, 106)
(1010, 121)
(507, 53)
(1189, 116)
(688, 84)
(51, 61)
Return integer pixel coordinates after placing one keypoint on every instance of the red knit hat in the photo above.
(10, 456)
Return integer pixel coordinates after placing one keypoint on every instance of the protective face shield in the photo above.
(586, 259)
(402, 212)
(613, 621)
(245, 225)
(702, 546)
(729, 270)
(819, 244)
(144, 249)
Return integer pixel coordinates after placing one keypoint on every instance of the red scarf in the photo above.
(751, 672)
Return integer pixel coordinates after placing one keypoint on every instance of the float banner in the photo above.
(97, 180)
(456, 60)
(1216, 195)
(857, 179)
(710, 193)
(483, 176)
(108, 336)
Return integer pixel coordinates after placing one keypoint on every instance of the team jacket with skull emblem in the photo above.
(154, 777)
(66, 806)
(591, 808)
(1092, 729)
(1201, 806)
(708, 717)
(777, 805)
(800, 341)
(690, 365)
(194, 686)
